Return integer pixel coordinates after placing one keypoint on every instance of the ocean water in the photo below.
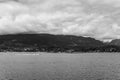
(51, 66)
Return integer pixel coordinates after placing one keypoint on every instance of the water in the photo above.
(88, 66)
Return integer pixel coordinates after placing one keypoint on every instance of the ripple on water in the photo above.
(60, 67)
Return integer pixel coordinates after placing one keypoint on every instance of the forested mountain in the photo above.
(53, 43)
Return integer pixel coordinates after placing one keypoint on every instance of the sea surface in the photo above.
(62, 66)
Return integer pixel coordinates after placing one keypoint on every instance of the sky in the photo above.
(99, 19)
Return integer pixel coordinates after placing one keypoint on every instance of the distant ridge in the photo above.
(115, 42)
(53, 43)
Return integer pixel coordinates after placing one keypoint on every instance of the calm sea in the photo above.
(51, 66)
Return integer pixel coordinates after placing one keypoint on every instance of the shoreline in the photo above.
(42, 53)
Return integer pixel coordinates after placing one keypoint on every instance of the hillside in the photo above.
(52, 43)
(115, 42)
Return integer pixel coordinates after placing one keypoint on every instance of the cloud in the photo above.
(113, 2)
(93, 18)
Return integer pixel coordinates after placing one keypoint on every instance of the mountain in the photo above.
(115, 42)
(47, 42)
(55, 43)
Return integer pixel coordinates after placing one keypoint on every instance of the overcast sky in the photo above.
(99, 19)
